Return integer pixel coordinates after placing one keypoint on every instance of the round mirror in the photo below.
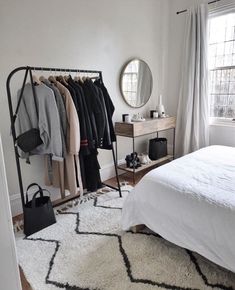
(136, 83)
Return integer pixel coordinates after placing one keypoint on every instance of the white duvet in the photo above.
(190, 202)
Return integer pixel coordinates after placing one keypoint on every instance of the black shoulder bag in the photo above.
(30, 139)
(38, 212)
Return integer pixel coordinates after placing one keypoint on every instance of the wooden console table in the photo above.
(137, 129)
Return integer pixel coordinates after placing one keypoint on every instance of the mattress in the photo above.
(190, 202)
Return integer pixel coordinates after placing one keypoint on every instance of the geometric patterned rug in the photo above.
(87, 250)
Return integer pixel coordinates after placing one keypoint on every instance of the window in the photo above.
(222, 66)
(130, 81)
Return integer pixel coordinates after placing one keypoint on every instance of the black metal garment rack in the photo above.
(13, 115)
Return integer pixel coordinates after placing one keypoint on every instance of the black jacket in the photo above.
(110, 110)
(90, 137)
(95, 110)
(73, 92)
(85, 126)
(107, 143)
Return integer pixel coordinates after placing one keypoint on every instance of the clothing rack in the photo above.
(185, 10)
(13, 116)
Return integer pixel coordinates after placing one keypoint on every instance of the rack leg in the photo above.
(19, 176)
(173, 143)
(13, 131)
(116, 150)
(116, 171)
(133, 166)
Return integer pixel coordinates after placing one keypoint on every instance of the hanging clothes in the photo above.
(95, 111)
(69, 173)
(34, 113)
(110, 111)
(80, 111)
(87, 120)
(88, 158)
(75, 120)
(61, 110)
(92, 171)
(63, 127)
(96, 115)
(106, 136)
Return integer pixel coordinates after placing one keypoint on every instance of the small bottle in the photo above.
(155, 115)
(160, 107)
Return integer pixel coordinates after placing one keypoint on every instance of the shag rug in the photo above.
(86, 250)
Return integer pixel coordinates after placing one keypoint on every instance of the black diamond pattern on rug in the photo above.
(186, 269)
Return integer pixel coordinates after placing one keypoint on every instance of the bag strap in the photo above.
(34, 91)
(31, 185)
(35, 194)
(28, 70)
(21, 95)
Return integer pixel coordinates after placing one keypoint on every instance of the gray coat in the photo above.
(62, 112)
(47, 121)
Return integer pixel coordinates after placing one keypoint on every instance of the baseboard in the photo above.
(107, 172)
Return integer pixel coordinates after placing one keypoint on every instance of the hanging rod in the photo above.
(65, 70)
(36, 68)
(185, 10)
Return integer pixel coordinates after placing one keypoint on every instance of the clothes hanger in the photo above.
(66, 77)
(80, 78)
(36, 80)
(62, 79)
(84, 78)
(76, 78)
(95, 78)
(88, 76)
(42, 78)
(52, 78)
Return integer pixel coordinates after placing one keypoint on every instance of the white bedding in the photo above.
(190, 202)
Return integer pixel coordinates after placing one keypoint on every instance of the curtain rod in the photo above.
(185, 10)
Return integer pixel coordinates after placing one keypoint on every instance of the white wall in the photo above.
(85, 34)
(9, 274)
(221, 135)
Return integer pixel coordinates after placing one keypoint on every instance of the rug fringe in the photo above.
(18, 226)
(77, 201)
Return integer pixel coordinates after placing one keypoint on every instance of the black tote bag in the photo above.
(157, 148)
(38, 213)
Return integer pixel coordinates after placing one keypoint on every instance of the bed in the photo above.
(191, 203)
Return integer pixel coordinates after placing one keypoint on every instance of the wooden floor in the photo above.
(24, 282)
(126, 177)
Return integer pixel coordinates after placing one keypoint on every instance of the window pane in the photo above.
(222, 66)
(232, 75)
(232, 88)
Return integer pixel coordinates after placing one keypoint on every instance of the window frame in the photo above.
(220, 121)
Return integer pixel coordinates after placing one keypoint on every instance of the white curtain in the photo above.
(192, 128)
